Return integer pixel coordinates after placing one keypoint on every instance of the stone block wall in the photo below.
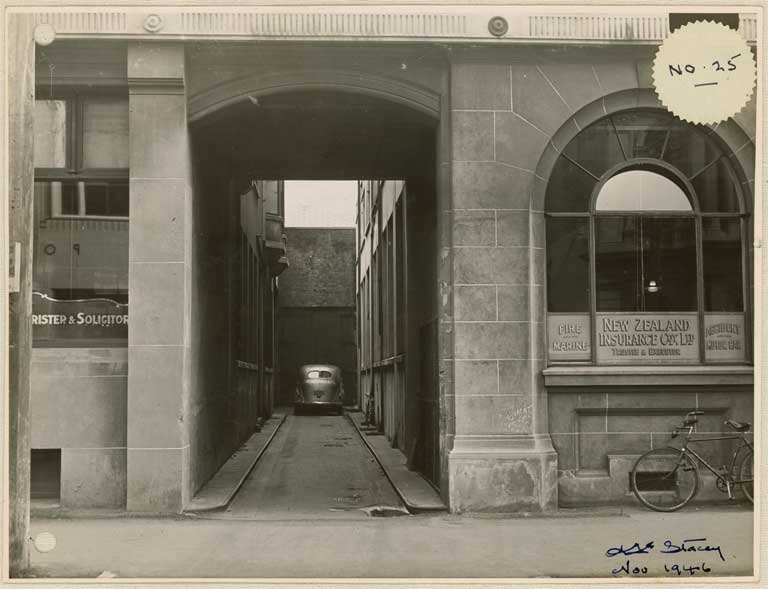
(79, 406)
(599, 432)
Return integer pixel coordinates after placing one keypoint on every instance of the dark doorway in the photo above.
(46, 475)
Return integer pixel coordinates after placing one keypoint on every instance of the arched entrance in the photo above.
(312, 125)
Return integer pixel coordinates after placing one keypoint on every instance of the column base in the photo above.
(156, 480)
(502, 474)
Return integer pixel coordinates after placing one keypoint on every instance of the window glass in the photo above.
(77, 259)
(105, 133)
(641, 190)
(617, 263)
(569, 189)
(669, 259)
(596, 148)
(69, 194)
(642, 133)
(50, 134)
(96, 199)
(645, 263)
(716, 189)
(721, 240)
(689, 150)
(118, 199)
(567, 264)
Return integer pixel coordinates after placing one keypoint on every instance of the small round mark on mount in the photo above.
(44, 34)
(44, 542)
(153, 23)
(498, 26)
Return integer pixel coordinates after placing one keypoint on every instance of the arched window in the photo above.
(645, 246)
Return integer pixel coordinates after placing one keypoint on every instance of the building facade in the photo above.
(560, 272)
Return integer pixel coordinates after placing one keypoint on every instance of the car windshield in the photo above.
(319, 374)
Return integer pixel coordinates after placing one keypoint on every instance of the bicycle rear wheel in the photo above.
(664, 479)
(747, 475)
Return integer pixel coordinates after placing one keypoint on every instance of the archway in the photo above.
(342, 128)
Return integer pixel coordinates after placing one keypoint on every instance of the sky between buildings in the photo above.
(320, 203)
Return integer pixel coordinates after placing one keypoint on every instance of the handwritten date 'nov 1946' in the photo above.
(690, 545)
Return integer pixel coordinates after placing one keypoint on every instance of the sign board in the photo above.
(88, 319)
(569, 337)
(664, 338)
(14, 266)
(724, 338)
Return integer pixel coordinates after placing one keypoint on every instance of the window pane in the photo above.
(95, 199)
(567, 264)
(105, 133)
(69, 197)
(569, 188)
(642, 134)
(641, 190)
(596, 148)
(50, 134)
(118, 200)
(617, 264)
(721, 242)
(669, 259)
(645, 264)
(689, 150)
(716, 190)
(76, 263)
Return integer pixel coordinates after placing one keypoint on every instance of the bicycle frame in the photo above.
(743, 442)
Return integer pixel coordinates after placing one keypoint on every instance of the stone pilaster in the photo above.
(502, 458)
(159, 277)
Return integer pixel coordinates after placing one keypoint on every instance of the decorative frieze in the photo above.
(607, 28)
(445, 23)
(70, 21)
(324, 24)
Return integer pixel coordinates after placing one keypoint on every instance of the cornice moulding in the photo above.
(437, 23)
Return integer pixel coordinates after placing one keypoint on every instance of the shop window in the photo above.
(645, 246)
(81, 205)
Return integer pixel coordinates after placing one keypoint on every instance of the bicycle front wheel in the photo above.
(665, 479)
(747, 475)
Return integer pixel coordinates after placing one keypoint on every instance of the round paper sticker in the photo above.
(704, 72)
(45, 542)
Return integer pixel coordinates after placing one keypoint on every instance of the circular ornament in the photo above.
(153, 23)
(704, 72)
(498, 26)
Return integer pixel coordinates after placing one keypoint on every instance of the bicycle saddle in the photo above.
(738, 425)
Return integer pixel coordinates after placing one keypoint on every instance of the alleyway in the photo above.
(316, 467)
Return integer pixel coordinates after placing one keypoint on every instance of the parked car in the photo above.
(320, 386)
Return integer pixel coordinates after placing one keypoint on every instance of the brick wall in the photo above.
(322, 268)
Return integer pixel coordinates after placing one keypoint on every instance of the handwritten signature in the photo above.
(688, 545)
(667, 547)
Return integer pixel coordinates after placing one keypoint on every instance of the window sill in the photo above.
(580, 376)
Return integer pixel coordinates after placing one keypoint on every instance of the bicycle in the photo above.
(666, 479)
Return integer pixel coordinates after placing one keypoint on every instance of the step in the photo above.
(414, 490)
(221, 488)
